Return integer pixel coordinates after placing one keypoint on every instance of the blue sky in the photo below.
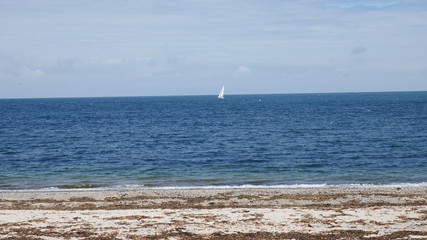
(61, 48)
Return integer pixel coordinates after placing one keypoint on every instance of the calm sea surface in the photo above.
(267, 140)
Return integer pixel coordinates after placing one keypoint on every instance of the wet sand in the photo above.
(317, 213)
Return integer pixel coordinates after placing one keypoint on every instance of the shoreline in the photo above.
(231, 213)
(94, 187)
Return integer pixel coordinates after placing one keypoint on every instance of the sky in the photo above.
(95, 48)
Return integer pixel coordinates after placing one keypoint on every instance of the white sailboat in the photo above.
(221, 93)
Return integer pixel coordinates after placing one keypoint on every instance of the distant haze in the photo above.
(61, 48)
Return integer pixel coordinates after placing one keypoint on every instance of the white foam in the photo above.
(247, 186)
(296, 186)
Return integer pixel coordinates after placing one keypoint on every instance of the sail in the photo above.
(221, 93)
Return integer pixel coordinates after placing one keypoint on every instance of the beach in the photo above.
(231, 213)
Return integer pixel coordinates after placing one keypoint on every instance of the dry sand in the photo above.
(322, 213)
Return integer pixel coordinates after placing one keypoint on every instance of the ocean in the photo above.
(279, 140)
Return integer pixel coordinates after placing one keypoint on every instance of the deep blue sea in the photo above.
(202, 141)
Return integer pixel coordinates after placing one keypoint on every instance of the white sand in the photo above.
(395, 213)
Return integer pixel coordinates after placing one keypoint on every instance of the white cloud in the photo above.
(242, 70)
(150, 61)
(363, 4)
(32, 73)
(114, 61)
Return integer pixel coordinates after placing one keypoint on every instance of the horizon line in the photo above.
(195, 95)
